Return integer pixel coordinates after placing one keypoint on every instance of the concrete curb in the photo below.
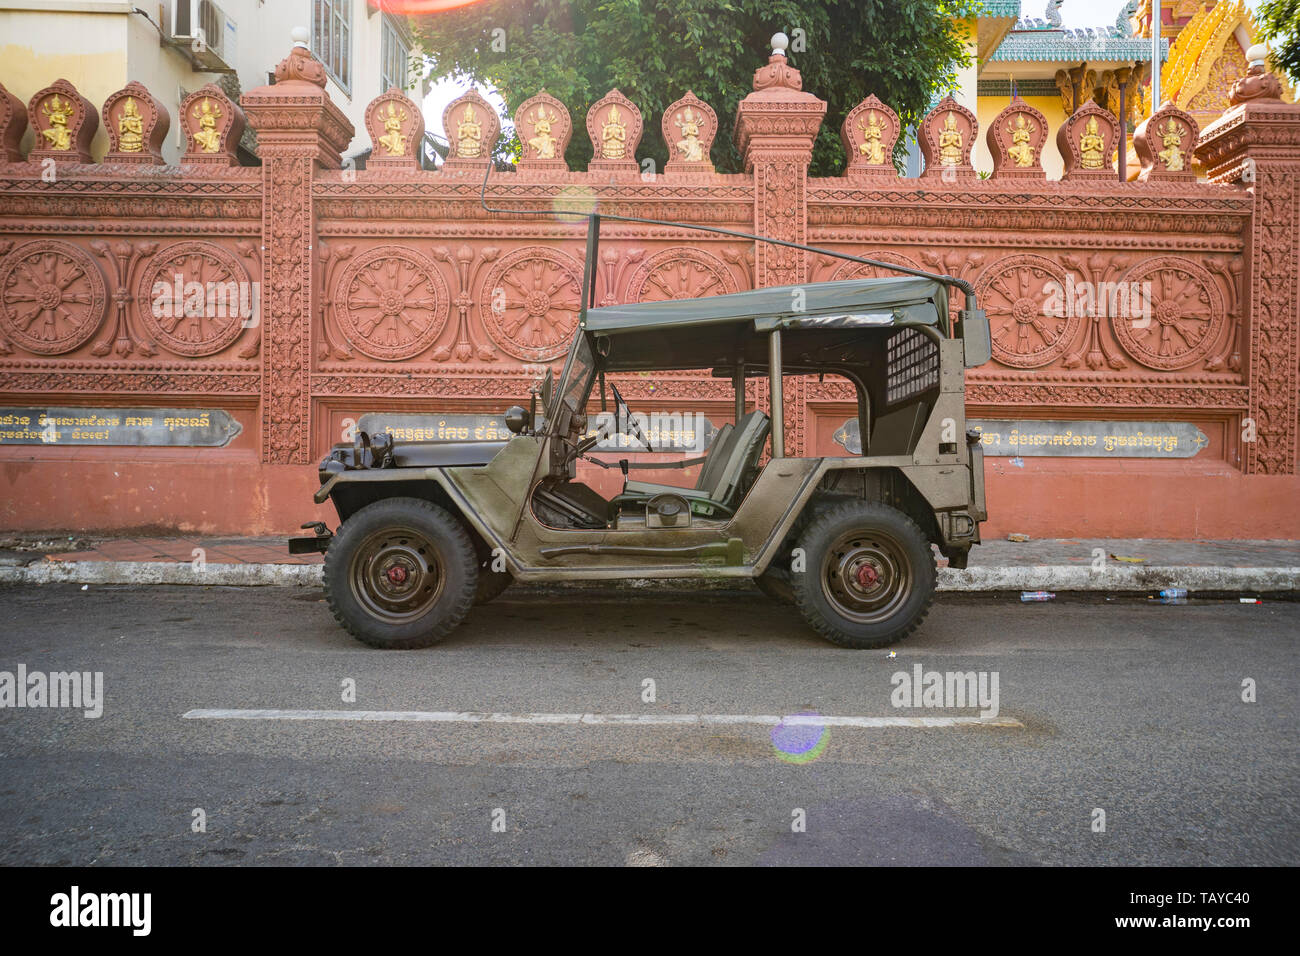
(1007, 578)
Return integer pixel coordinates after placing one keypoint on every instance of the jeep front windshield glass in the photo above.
(577, 375)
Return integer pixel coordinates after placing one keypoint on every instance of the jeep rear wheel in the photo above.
(400, 573)
(870, 575)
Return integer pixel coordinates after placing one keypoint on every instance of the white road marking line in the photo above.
(640, 720)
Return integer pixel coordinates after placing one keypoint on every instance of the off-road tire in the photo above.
(443, 577)
(775, 583)
(883, 544)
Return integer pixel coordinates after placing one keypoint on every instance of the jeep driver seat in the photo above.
(723, 478)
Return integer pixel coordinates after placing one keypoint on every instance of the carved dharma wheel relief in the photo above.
(194, 298)
(1186, 314)
(860, 270)
(391, 303)
(52, 297)
(679, 274)
(1032, 324)
(529, 302)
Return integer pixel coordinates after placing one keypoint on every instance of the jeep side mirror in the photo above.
(518, 419)
(976, 338)
(548, 389)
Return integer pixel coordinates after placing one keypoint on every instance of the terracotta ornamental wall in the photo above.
(180, 344)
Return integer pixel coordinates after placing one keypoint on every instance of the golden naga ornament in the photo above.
(469, 134)
(1092, 147)
(613, 135)
(57, 135)
(950, 142)
(393, 140)
(542, 142)
(1021, 152)
(1171, 136)
(130, 128)
(689, 146)
(873, 146)
(207, 139)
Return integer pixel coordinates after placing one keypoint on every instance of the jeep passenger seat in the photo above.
(720, 485)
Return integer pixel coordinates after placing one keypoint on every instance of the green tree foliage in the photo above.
(1279, 23)
(904, 51)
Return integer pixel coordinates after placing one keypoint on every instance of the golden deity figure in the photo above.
(469, 134)
(950, 142)
(57, 135)
(542, 142)
(690, 147)
(873, 145)
(1092, 147)
(393, 140)
(1171, 135)
(613, 135)
(207, 138)
(1021, 152)
(130, 128)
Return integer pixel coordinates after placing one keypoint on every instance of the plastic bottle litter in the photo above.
(1028, 596)
(1174, 593)
(1249, 600)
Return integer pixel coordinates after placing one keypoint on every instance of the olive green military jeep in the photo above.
(431, 528)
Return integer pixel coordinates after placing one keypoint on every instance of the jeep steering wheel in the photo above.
(621, 412)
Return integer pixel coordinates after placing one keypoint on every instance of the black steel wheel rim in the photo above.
(397, 575)
(866, 576)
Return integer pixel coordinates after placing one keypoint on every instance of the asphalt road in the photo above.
(1131, 708)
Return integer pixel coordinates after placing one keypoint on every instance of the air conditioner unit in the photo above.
(208, 33)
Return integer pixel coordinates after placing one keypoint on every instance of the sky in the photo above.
(1074, 14)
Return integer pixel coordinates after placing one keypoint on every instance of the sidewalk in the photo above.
(1228, 567)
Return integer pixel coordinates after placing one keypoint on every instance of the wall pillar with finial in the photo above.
(299, 131)
(1256, 144)
(776, 126)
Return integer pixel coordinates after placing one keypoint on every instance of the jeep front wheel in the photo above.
(401, 573)
(870, 575)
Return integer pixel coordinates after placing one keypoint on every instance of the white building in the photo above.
(174, 47)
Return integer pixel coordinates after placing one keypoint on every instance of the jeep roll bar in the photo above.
(975, 331)
(593, 246)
